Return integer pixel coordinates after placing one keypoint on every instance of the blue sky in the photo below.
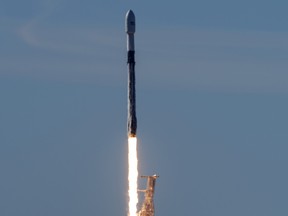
(212, 90)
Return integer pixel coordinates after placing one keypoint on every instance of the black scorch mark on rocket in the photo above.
(132, 120)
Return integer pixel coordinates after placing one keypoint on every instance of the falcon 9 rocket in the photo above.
(130, 30)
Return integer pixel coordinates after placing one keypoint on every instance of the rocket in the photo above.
(130, 27)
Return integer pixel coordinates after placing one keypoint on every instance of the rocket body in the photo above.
(130, 28)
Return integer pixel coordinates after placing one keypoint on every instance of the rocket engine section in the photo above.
(148, 204)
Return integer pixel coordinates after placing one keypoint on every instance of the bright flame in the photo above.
(132, 175)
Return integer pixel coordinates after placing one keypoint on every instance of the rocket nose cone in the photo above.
(130, 22)
(130, 14)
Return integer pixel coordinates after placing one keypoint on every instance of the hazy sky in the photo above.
(212, 101)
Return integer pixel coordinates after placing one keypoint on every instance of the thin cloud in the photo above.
(197, 59)
(77, 40)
